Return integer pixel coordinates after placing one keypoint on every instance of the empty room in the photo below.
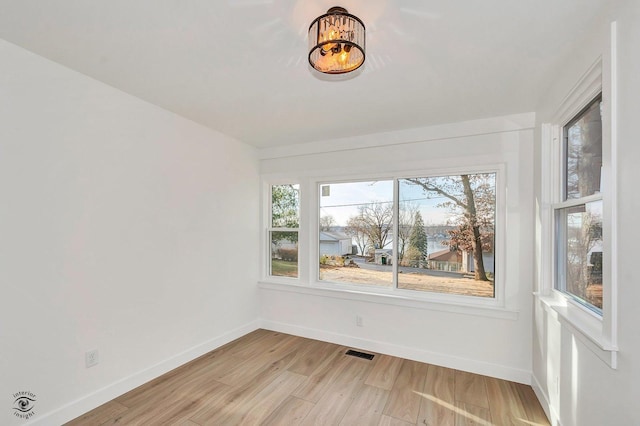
(337, 213)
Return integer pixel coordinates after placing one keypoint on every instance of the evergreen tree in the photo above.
(418, 240)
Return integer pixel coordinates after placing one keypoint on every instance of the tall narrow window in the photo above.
(284, 230)
(578, 217)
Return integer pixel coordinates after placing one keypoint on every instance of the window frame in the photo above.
(309, 248)
(269, 228)
(566, 202)
(395, 179)
(598, 331)
(316, 240)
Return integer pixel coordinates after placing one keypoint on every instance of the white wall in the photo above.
(117, 220)
(432, 333)
(123, 228)
(590, 392)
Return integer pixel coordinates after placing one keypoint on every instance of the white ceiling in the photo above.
(240, 66)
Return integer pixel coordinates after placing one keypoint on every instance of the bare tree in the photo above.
(472, 197)
(372, 226)
(378, 220)
(583, 144)
(584, 234)
(406, 215)
(326, 222)
(356, 230)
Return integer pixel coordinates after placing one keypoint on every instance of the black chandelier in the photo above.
(336, 42)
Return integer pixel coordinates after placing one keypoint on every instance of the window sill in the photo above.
(586, 327)
(403, 300)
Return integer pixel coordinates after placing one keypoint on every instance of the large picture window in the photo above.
(429, 234)
(578, 215)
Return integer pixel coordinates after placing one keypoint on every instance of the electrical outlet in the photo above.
(359, 321)
(91, 358)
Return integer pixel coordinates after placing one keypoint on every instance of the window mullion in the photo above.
(572, 202)
(396, 240)
(560, 251)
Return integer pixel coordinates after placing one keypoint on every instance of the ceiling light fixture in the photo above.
(336, 42)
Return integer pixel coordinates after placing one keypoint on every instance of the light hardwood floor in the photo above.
(270, 378)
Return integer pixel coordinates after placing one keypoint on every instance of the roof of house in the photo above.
(333, 236)
(445, 255)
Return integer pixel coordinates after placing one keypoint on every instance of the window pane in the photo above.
(583, 147)
(285, 206)
(580, 252)
(446, 234)
(284, 253)
(356, 232)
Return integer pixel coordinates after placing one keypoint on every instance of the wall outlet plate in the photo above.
(91, 358)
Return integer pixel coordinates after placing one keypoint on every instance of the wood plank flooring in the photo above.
(270, 378)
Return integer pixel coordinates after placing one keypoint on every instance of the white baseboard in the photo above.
(107, 393)
(543, 397)
(421, 355)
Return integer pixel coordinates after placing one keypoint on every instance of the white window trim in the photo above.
(308, 244)
(598, 333)
(267, 228)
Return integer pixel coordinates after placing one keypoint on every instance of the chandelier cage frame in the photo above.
(336, 42)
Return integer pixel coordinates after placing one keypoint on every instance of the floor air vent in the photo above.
(360, 354)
